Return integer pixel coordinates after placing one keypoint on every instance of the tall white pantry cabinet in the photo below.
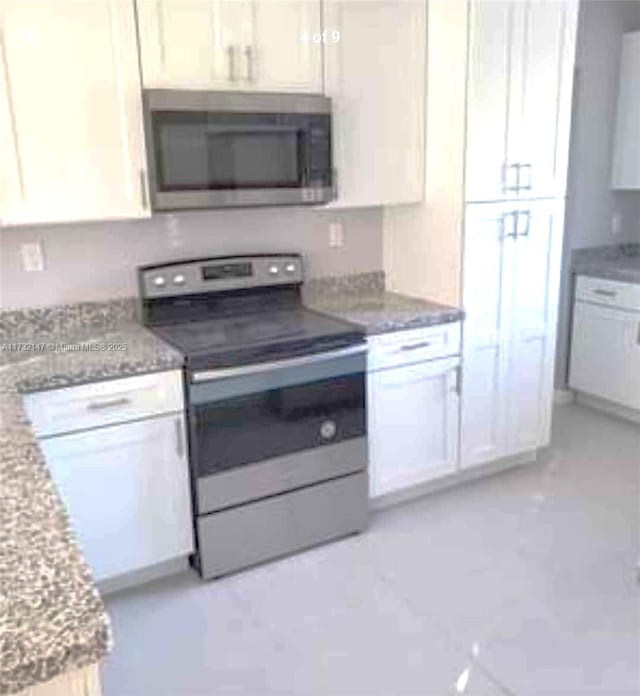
(521, 60)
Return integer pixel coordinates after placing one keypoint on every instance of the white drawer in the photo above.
(611, 293)
(104, 403)
(413, 345)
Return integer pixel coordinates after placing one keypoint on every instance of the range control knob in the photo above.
(273, 269)
(290, 268)
(178, 279)
(159, 282)
(328, 430)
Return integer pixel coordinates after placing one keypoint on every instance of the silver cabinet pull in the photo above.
(108, 403)
(12, 114)
(143, 188)
(605, 293)
(231, 52)
(179, 437)
(248, 52)
(526, 216)
(416, 346)
(457, 387)
(527, 185)
(510, 177)
(510, 225)
(334, 183)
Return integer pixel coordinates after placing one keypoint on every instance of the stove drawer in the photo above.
(275, 476)
(246, 535)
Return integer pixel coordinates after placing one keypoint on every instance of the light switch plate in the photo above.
(336, 234)
(32, 256)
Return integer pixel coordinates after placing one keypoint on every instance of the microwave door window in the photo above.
(181, 154)
(254, 158)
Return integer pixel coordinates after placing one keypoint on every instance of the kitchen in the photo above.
(204, 381)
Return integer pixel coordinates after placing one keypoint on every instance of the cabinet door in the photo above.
(605, 353)
(378, 117)
(413, 424)
(231, 44)
(533, 259)
(195, 43)
(490, 174)
(288, 49)
(72, 102)
(126, 490)
(543, 55)
(485, 332)
(626, 153)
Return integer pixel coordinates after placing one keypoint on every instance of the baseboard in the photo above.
(451, 480)
(561, 397)
(609, 407)
(140, 577)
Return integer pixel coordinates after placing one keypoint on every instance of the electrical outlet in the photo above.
(336, 234)
(616, 224)
(32, 256)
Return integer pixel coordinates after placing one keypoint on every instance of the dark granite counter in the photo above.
(52, 618)
(621, 262)
(363, 300)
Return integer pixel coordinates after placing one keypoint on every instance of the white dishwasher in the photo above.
(605, 345)
(412, 406)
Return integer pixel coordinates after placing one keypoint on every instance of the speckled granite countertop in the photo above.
(620, 262)
(363, 300)
(51, 616)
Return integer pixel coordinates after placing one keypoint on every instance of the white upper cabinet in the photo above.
(70, 115)
(375, 75)
(626, 153)
(248, 45)
(511, 287)
(521, 57)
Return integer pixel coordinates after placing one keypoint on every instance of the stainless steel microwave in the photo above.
(226, 149)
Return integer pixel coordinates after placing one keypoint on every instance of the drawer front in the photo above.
(413, 345)
(611, 293)
(104, 403)
(246, 535)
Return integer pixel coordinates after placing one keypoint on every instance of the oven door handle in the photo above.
(230, 372)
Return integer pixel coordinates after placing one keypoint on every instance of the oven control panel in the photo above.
(219, 274)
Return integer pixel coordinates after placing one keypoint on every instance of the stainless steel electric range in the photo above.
(275, 398)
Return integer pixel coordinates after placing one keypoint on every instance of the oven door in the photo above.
(263, 429)
(220, 150)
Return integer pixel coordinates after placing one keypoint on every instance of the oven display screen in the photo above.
(227, 270)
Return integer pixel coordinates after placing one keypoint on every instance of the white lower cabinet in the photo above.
(120, 468)
(413, 408)
(125, 488)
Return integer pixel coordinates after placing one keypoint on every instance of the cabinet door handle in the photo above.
(527, 185)
(526, 216)
(334, 183)
(510, 177)
(179, 438)
(108, 403)
(510, 224)
(605, 293)
(248, 52)
(143, 188)
(416, 346)
(457, 388)
(12, 115)
(231, 52)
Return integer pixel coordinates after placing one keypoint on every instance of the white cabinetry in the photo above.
(375, 75)
(521, 58)
(605, 347)
(70, 114)
(231, 44)
(120, 467)
(626, 153)
(413, 407)
(511, 286)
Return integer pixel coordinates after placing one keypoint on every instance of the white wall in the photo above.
(591, 203)
(97, 261)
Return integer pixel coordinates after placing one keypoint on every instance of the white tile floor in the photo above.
(524, 583)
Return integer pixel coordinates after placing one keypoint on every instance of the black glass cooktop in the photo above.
(254, 337)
